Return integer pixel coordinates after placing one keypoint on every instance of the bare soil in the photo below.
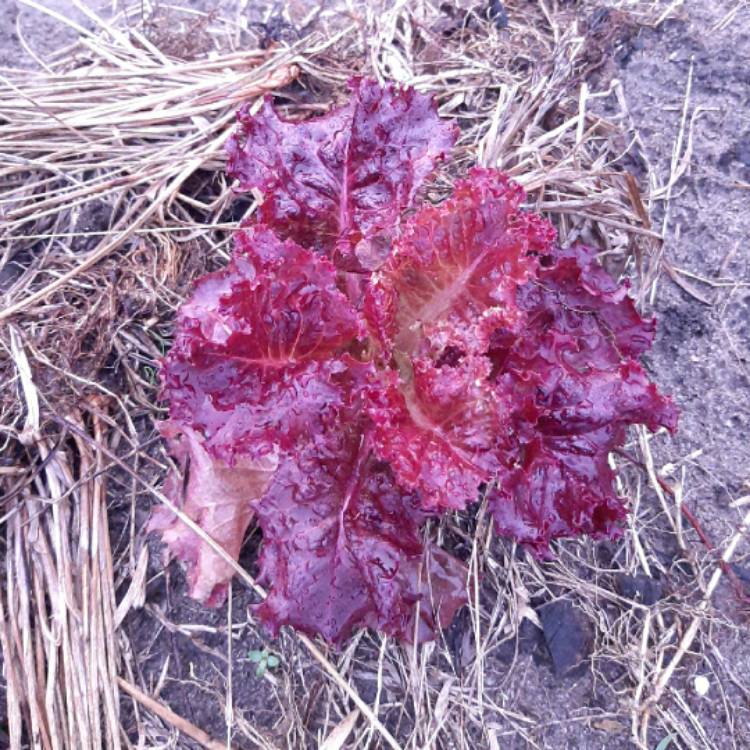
(688, 76)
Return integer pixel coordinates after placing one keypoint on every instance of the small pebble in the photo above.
(701, 685)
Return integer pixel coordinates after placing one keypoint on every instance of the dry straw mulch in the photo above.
(113, 200)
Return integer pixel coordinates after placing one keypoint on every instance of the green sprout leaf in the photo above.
(264, 660)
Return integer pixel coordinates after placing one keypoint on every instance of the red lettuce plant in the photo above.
(360, 367)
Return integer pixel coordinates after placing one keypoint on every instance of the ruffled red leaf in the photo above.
(451, 280)
(456, 269)
(342, 547)
(562, 488)
(257, 346)
(575, 389)
(341, 181)
(440, 429)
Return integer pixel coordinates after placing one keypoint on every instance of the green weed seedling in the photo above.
(263, 659)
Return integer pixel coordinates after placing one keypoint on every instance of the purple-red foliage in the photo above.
(359, 367)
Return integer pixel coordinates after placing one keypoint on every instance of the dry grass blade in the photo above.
(60, 646)
(135, 127)
(185, 726)
(663, 676)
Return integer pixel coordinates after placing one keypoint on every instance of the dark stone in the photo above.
(497, 14)
(529, 636)
(528, 640)
(567, 636)
(640, 588)
(506, 650)
(454, 635)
